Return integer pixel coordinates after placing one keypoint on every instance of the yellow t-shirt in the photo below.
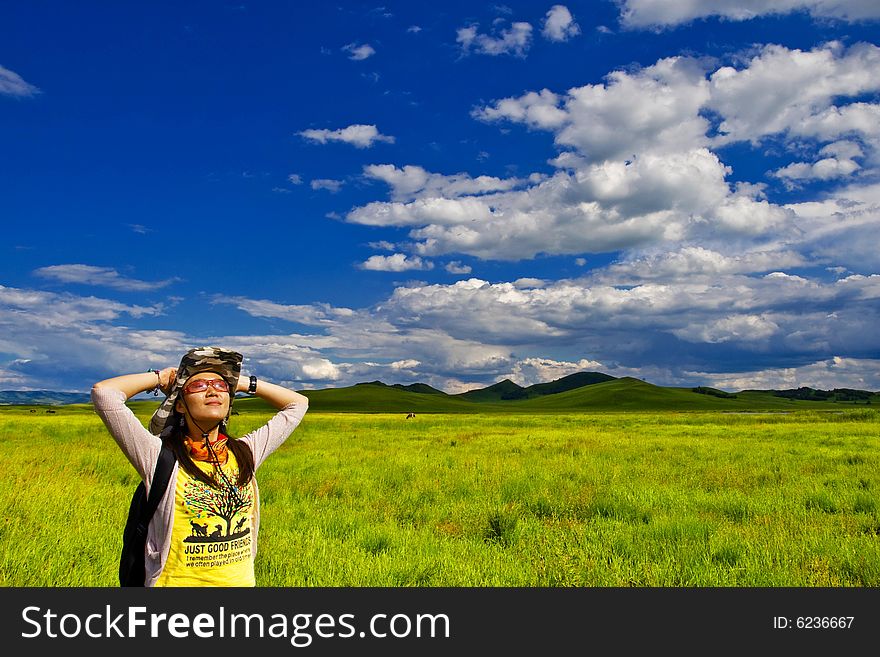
(212, 534)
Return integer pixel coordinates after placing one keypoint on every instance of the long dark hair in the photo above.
(174, 436)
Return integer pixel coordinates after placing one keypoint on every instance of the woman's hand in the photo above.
(133, 384)
(166, 379)
(244, 382)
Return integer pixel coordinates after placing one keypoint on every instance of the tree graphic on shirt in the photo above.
(221, 502)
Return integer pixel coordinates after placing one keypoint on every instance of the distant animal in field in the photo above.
(197, 529)
(50, 411)
(33, 410)
(218, 531)
(411, 415)
(240, 523)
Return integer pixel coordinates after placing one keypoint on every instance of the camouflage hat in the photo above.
(224, 362)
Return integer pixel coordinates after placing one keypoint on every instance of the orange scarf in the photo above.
(199, 451)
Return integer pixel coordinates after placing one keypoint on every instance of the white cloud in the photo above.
(456, 267)
(696, 262)
(65, 310)
(824, 169)
(328, 184)
(295, 179)
(559, 25)
(359, 52)
(656, 108)
(358, 135)
(474, 330)
(100, 276)
(320, 369)
(834, 228)
(63, 337)
(374, 343)
(319, 314)
(839, 164)
(861, 119)
(782, 90)
(396, 262)
(638, 170)
(663, 107)
(531, 371)
(11, 84)
(616, 323)
(514, 41)
(664, 13)
(604, 207)
(744, 328)
(536, 109)
(526, 282)
(12, 380)
(410, 182)
(826, 374)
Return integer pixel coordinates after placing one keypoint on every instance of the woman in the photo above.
(204, 532)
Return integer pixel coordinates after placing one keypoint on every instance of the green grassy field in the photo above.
(679, 499)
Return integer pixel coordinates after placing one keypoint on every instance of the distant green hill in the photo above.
(42, 397)
(580, 392)
(380, 398)
(507, 390)
(421, 388)
(629, 394)
(503, 390)
(570, 382)
(812, 394)
(625, 394)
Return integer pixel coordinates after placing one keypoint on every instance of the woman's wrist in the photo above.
(155, 383)
(247, 384)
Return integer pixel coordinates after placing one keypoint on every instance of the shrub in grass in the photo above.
(727, 554)
(501, 528)
(618, 509)
(820, 501)
(374, 542)
(735, 510)
(864, 503)
(541, 508)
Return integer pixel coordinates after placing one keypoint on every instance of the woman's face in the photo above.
(208, 405)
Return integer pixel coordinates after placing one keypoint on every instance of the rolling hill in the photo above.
(580, 392)
(630, 394)
(612, 395)
(503, 390)
(42, 397)
(507, 390)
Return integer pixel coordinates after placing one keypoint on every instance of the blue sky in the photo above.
(684, 192)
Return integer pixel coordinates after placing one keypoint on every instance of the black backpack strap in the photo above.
(164, 466)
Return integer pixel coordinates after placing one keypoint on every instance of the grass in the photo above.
(587, 499)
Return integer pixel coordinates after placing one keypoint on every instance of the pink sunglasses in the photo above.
(200, 385)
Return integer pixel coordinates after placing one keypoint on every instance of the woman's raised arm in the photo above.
(277, 396)
(132, 384)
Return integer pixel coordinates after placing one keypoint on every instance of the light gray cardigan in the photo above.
(142, 450)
